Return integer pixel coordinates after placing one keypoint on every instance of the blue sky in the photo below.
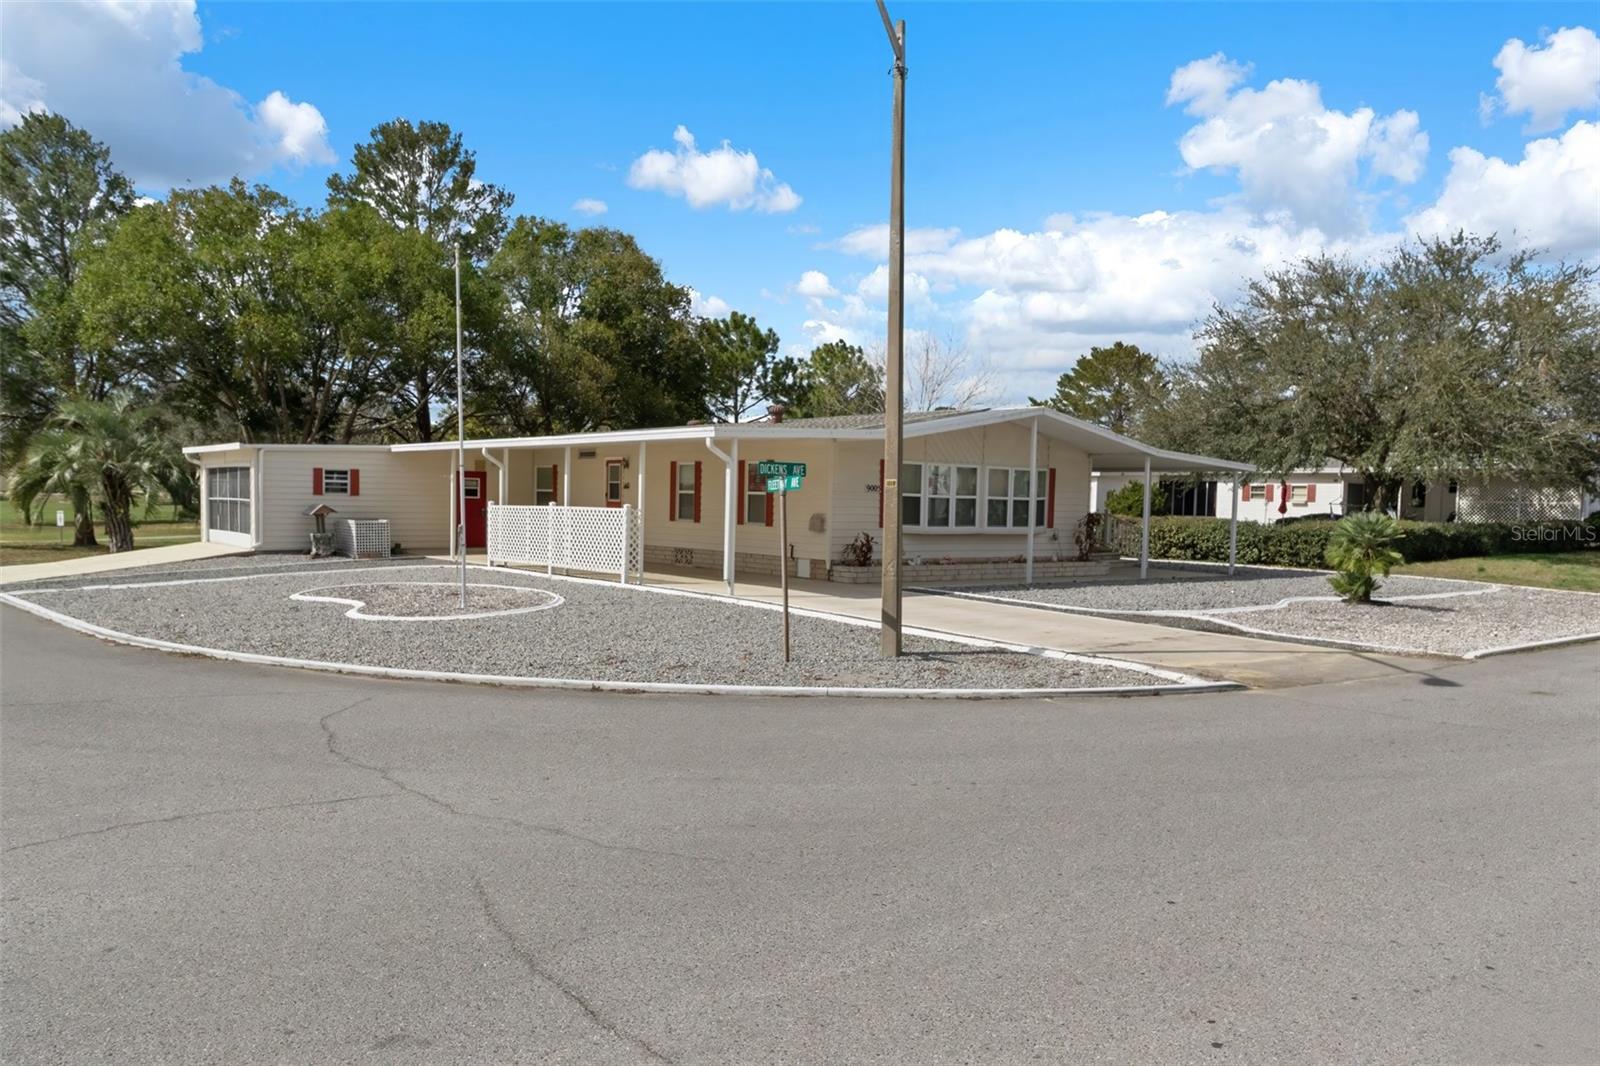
(1066, 191)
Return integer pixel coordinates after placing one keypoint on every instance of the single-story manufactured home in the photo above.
(1006, 485)
(1333, 490)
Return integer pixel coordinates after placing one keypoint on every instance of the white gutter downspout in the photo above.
(729, 463)
(258, 478)
(500, 491)
(1233, 526)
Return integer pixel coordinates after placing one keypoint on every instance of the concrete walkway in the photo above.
(101, 564)
(1254, 661)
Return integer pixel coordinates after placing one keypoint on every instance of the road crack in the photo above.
(573, 995)
(388, 775)
(185, 816)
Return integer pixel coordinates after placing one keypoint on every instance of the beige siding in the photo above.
(855, 501)
(411, 490)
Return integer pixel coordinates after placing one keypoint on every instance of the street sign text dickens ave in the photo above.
(768, 468)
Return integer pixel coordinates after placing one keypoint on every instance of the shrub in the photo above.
(1361, 548)
(1128, 501)
(859, 551)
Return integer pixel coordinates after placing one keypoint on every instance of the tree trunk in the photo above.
(83, 520)
(118, 509)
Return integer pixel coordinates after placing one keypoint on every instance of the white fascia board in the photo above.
(205, 449)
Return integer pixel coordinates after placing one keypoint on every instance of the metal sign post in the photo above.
(61, 525)
(782, 477)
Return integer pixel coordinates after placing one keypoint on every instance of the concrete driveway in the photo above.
(207, 862)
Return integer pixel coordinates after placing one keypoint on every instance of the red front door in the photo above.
(476, 508)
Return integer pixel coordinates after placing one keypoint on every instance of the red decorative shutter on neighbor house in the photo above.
(355, 482)
(1050, 499)
(1244, 492)
(1269, 491)
(880, 493)
(697, 490)
(1311, 493)
(672, 493)
(740, 494)
(316, 481)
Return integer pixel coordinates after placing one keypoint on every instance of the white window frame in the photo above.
(542, 497)
(755, 489)
(949, 477)
(233, 500)
(471, 487)
(1038, 492)
(335, 482)
(684, 493)
(613, 463)
(1299, 495)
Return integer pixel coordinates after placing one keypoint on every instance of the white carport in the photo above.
(1148, 461)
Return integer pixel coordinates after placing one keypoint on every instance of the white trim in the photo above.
(356, 606)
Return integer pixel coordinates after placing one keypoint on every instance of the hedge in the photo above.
(1304, 543)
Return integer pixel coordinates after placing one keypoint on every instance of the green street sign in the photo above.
(768, 468)
(784, 484)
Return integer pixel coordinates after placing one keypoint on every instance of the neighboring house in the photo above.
(967, 492)
(1334, 490)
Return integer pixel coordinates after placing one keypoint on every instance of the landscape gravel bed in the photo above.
(220, 566)
(1206, 591)
(1458, 625)
(381, 600)
(601, 632)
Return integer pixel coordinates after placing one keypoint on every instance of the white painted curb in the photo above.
(1178, 683)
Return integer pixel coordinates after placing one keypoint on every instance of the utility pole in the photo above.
(461, 446)
(894, 362)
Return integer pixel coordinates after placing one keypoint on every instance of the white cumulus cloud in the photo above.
(814, 285)
(1290, 151)
(704, 306)
(590, 206)
(1550, 200)
(874, 240)
(1547, 82)
(117, 71)
(725, 175)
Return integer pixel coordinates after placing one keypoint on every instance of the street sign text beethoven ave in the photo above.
(768, 468)
(783, 484)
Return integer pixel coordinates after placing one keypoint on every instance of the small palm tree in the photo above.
(1361, 548)
(112, 449)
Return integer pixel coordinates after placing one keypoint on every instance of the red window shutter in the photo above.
(672, 493)
(880, 493)
(316, 481)
(1311, 493)
(1269, 491)
(555, 482)
(1244, 492)
(355, 482)
(1050, 499)
(770, 509)
(739, 496)
(697, 490)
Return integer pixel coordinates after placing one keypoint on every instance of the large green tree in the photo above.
(422, 180)
(1115, 387)
(59, 195)
(1449, 358)
(743, 368)
(591, 335)
(839, 379)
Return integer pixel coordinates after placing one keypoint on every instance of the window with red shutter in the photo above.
(672, 493)
(1311, 493)
(1050, 499)
(697, 490)
(316, 481)
(744, 491)
(355, 482)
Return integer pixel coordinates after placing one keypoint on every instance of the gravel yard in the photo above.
(1208, 590)
(1418, 614)
(1456, 625)
(600, 631)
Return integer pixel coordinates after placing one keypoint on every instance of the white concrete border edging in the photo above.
(1178, 683)
(355, 611)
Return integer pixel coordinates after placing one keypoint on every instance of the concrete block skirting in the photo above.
(974, 571)
(750, 563)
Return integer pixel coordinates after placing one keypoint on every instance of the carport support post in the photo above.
(1233, 526)
(1033, 497)
(1144, 532)
(644, 512)
(566, 476)
(728, 514)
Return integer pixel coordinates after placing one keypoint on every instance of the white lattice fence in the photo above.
(606, 540)
(363, 538)
(1502, 501)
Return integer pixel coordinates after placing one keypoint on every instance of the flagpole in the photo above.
(461, 446)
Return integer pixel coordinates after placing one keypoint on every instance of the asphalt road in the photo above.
(215, 863)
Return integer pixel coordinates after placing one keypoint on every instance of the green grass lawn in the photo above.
(154, 525)
(1578, 570)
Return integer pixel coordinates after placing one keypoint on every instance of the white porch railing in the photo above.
(606, 540)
